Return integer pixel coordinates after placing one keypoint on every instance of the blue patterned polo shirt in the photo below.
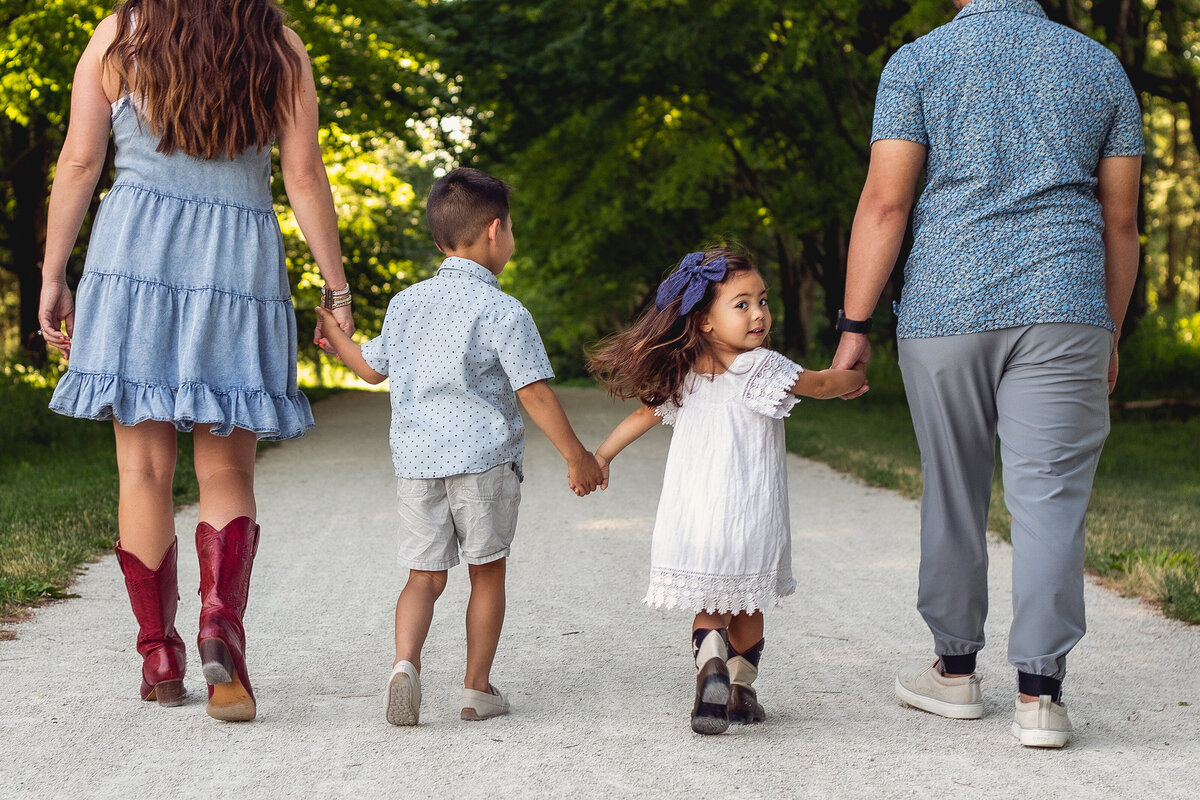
(1016, 111)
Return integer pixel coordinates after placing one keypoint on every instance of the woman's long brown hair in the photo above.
(651, 358)
(211, 77)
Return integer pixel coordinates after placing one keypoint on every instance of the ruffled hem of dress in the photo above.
(717, 594)
(104, 397)
(769, 388)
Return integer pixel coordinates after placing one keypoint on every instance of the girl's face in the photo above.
(738, 319)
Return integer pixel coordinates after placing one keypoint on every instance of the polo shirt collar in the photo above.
(984, 6)
(468, 267)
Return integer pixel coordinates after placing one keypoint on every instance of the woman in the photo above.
(185, 319)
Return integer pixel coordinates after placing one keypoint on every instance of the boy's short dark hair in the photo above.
(462, 203)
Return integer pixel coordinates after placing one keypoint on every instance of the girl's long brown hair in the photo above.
(211, 77)
(650, 359)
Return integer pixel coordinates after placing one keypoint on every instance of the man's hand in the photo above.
(854, 350)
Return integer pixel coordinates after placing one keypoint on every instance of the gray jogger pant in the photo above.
(1043, 388)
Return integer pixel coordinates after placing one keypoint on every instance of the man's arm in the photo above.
(875, 239)
(1118, 182)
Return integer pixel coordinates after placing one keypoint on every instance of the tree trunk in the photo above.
(795, 336)
(27, 227)
(1170, 286)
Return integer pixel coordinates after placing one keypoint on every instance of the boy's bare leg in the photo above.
(414, 613)
(485, 618)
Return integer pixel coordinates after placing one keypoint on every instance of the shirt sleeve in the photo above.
(520, 348)
(374, 353)
(898, 113)
(769, 384)
(1125, 134)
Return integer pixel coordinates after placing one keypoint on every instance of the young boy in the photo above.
(460, 352)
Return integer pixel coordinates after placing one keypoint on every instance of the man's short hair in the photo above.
(461, 205)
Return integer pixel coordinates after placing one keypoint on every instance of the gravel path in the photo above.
(600, 685)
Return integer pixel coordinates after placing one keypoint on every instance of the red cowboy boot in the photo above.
(226, 557)
(154, 596)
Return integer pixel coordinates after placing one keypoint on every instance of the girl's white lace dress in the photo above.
(722, 538)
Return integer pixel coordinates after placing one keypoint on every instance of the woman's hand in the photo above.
(345, 321)
(56, 308)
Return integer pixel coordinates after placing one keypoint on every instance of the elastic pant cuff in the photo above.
(1038, 685)
(958, 665)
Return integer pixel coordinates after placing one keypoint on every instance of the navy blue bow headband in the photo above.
(690, 280)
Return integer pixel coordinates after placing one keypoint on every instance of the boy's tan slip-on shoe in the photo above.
(923, 686)
(1041, 723)
(477, 705)
(402, 698)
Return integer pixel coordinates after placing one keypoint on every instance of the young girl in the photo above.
(722, 539)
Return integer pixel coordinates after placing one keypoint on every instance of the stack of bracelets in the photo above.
(331, 299)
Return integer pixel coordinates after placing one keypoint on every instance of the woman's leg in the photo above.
(226, 541)
(225, 474)
(146, 470)
(146, 553)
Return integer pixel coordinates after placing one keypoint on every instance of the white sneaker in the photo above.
(923, 686)
(477, 705)
(402, 698)
(1041, 723)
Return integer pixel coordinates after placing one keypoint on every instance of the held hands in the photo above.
(333, 327)
(340, 319)
(585, 473)
(854, 350)
(54, 309)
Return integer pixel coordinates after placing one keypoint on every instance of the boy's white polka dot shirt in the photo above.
(455, 349)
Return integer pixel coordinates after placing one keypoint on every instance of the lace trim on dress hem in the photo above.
(717, 594)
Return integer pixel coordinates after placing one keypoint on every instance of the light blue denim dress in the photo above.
(184, 313)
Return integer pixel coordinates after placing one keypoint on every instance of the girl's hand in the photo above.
(54, 309)
(603, 463)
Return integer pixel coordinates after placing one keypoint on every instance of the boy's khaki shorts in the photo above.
(475, 513)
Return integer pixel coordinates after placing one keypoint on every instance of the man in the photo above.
(1024, 257)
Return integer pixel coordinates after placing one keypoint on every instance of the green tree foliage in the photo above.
(371, 91)
(636, 130)
(41, 44)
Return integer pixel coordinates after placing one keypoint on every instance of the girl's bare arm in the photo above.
(826, 383)
(626, 433)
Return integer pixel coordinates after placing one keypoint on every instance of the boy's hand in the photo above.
(584, 474)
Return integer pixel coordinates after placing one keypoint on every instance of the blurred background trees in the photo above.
(634, 131)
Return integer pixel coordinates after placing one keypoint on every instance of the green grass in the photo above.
(1144, 518)
(58, 492)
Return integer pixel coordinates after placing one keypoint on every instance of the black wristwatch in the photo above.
(845, 325)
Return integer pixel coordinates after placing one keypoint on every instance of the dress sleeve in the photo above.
(668, 411)
(769, 383)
